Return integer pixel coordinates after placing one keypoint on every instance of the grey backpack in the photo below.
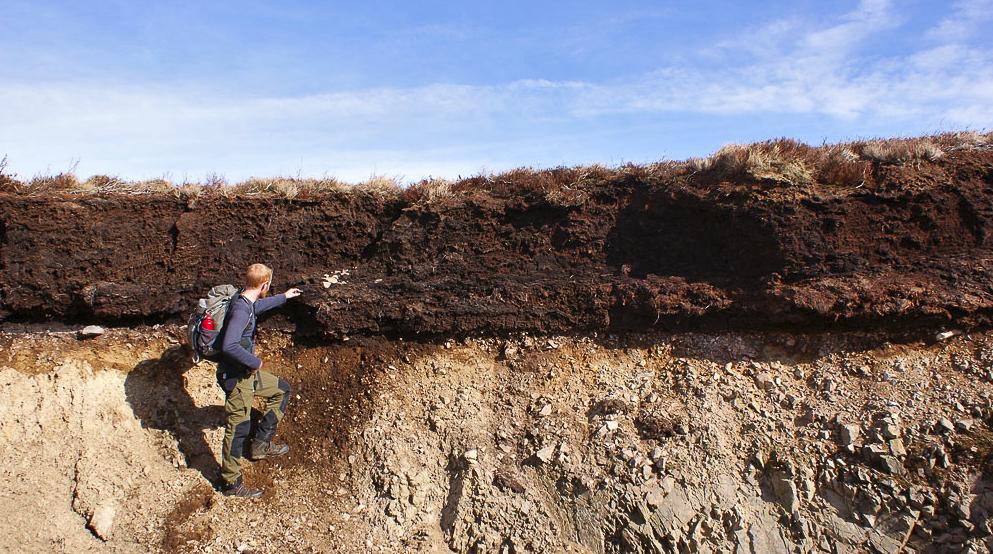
(207, 322)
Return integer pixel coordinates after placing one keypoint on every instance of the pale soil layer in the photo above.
(687, 442)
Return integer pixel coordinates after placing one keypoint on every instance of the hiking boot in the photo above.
(266, 449)
(240, 490)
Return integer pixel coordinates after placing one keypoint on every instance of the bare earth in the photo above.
(673, 443)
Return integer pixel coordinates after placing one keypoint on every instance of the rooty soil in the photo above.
(909, 249)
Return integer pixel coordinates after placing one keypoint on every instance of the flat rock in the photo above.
(102, 521)
(945, 335)
(91, 331)
(546, 453)
(944, 425)
(764, 381)
(890, 431)
(786, 492)
(507, 481)
(848, 434)
(890, 464)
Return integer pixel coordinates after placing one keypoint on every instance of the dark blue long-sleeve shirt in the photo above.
(238, 344)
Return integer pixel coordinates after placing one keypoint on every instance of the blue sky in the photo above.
(413, 89)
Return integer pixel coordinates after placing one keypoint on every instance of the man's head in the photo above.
(259, 276)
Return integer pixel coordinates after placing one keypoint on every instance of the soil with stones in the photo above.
(910, 248)
(693, 442)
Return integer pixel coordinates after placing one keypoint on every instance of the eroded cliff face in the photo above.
(907, 248)
(645, 359)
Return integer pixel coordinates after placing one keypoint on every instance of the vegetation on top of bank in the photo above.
(780, 162)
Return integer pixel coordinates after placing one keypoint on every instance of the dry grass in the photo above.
(311, 188)
(213, 185)
(788, 162)
(52, 184)
(782, 163)
(105, 184)
(964, 140)
(921, 149)
(8, 182)
(427, 191)
(280, 187)
(382, 186)
(901, 151)
(839, 165)
(66, 183)
(565, 186)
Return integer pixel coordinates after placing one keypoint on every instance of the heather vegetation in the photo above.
(782, 162)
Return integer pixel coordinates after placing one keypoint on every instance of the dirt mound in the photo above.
(555, 252)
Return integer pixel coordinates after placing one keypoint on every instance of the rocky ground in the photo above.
(775, 442)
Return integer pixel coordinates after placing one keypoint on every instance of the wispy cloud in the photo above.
(967, 17)
(809, 69)
(872, 16)
(787, 67)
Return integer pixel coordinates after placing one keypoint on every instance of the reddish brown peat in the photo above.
(907, 249)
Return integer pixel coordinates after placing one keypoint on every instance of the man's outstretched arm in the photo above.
(265, 304)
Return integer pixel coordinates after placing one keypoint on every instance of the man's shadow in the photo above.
(158, 397)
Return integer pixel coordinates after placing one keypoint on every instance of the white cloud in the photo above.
(794, 67)
(804, 69)
(967, 16)
(870, 17)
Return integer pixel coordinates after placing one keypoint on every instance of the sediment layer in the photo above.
(908, 247)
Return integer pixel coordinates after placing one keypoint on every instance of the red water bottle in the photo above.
(208, 323)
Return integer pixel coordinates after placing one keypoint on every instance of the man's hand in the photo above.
(252, 372)
(292, 293)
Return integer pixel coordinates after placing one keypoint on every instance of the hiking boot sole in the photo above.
(242, 492)
(271, 454)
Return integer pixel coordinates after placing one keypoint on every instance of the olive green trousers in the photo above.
(241, 391)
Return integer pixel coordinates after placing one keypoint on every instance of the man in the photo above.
(240, 375)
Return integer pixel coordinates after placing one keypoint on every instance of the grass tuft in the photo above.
(287, 187)
(8, 181)
(428, 191)
(839, 165)
(386, 187)
(901, 151)
(52, 184)
(783, 161)
(964, 140)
